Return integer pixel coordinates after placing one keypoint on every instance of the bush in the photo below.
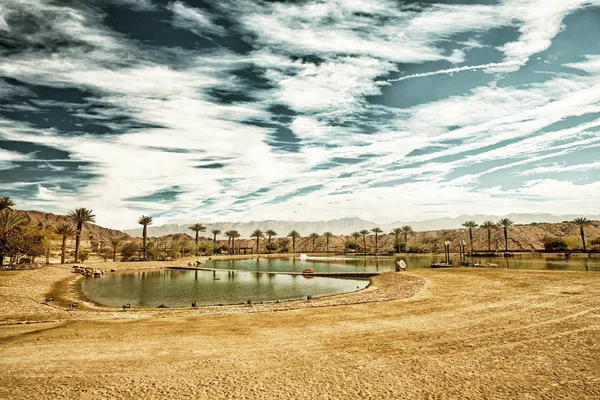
(222, 249)
(352, 245)
(555, 244)
(272, 247)
(84, 255)
(129, 250)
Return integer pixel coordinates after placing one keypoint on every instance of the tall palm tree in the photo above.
(364, 234)
(197, 228)
(145, 221)
(6, 203)
(215, 233)
(233, 235)
(257, 234)
(505, 223)
(115, 243)
(314, 236)
(355, 235)
(9, 221)
(294, 235)
(581, 222)
(228, 234)
(489, 225)
(376, 231)
(66, 231)
(80, 216)
(396, 232)
(327, 236)
(470, 225)
(270, 233)
(406, 229)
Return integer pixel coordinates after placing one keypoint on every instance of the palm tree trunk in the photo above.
(582, 238)
(489, 240)
(77, 236)
(257, 245)
(376, 245)
(405, 242)
(364, 244)
(506, 239)
(293, 244)
(63, 249)
(327, 245)
(196, 243)
(471, 237)
(115, 253)
(215, 238)
(144, 233)
(233, 245)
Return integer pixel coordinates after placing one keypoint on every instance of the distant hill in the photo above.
(345, 226)
(50, 220)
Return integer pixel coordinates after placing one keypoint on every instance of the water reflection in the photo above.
(181, 288)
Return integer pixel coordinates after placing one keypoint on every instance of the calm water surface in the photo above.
(353, 264)
(174, 288)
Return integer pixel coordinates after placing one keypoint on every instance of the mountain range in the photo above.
(345, 226)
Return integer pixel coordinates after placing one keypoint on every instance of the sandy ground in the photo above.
(457, 333)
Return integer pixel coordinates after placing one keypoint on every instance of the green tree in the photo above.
(129, 250)
(294, 235)
(470, 225)
(355, 235)
(232, 235)
(6, 203)
(65, 231)
(10, 222)
(327, 235)
(197, 228)
(505, 223)
(581, 222)
(115, 243)
(407, 230)
(80, 216)
(145, 221)
(270, 233)
(215, 233)
(364, 234)
(396, 232)
(376, 231)
(314, 236)
(257, 234)
(489, 225)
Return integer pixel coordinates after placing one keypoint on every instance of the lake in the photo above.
(176, 288)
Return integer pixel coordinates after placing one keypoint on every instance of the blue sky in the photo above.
(302, 110)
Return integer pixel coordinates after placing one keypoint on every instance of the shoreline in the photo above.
(65, 286)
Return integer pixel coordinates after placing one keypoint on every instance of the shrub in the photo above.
(272, 247)
(84, 255)
(555, 244)
(129, 250)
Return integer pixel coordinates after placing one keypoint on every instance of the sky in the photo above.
(238, 110)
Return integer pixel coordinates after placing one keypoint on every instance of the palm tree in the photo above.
(581, 222)
(364, 234)
(406, 229)
(314, 236)
(9, 221)
(145, 221)
(80, 216)
(257, 234)
(489, 225)
(355, 235)
(396, 232)
(6, 203)
(115, 243)
(294, 234)
(228, 234)
(197, 228)
(233, 235)
(470, 225)
(376, 231)
(327, 236)
(66, 231)
(270, 233)
(215, 233)
(505, 223)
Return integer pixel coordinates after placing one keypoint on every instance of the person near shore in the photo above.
(400, 265)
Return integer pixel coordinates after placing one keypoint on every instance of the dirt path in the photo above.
(469, 333)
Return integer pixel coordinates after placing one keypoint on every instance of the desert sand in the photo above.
(432, 334)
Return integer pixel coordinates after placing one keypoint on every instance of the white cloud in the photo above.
(193, 18)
